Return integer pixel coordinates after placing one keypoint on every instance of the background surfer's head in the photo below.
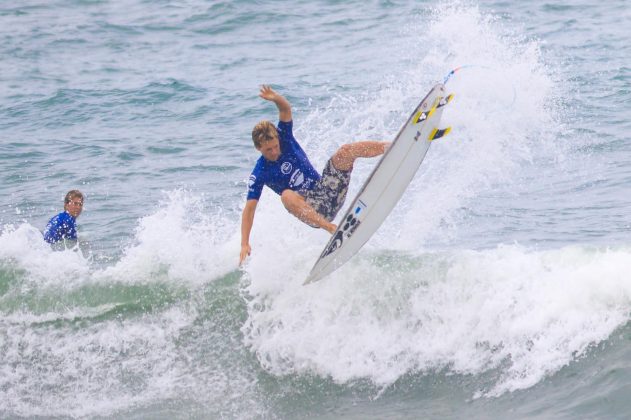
(73, 203)
(265, 138)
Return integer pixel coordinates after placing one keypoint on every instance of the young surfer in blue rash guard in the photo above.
(285, 168)
(63, 225)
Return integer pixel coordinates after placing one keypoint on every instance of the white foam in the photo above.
(111, 358)
(182, 241)
(83, 365)
(527, 312)
(24, 247)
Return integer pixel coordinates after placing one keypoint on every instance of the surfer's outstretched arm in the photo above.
(283, 105)
(247, 220)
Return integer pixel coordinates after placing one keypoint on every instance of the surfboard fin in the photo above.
(444, 101)
(438, 133)
(419, 117)
(440, 102)
(436, 106)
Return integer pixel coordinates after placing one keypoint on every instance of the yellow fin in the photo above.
(438, 133)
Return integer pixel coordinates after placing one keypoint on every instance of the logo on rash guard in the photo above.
(251, 181)
(297, 178)
(286, 167)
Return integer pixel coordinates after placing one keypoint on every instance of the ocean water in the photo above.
(500, 286)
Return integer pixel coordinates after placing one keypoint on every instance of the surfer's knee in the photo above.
(290, 199)
(286, 197)
(344, 157)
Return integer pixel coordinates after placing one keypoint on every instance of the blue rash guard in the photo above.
(60, 227)
(291, 171)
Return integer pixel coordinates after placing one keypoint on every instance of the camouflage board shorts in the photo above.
(329, 193)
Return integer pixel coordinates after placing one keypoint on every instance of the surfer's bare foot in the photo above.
(331, 228)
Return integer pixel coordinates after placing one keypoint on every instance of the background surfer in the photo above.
(63, 226)
(285, 168)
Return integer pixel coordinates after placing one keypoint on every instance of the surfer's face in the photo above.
(74, 206)
(270, 149)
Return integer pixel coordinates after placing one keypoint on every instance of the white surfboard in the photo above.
(385, 185)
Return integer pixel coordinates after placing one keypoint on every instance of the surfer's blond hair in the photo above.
(71, 195)
(262, 132)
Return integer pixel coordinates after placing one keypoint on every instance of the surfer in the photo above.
(62, 226)
(285, 168)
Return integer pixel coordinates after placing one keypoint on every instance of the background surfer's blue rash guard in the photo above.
(60, 227)
(292, 170)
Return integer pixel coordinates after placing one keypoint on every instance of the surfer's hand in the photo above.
(284, 107)
(245, 252)
(268, 93)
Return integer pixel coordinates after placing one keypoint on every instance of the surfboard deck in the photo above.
(385, 185)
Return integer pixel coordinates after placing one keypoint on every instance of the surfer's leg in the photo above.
(345, 156)
(329, 193)
(296, 205)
